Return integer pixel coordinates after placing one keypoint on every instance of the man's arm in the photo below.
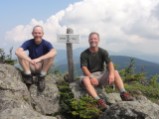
(111, 70)
(111, 67)
(50, 54)
(22, 55)
(86, 71)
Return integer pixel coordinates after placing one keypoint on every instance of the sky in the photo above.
(126, 27)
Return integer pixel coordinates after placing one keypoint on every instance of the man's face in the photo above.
(94, 40)
(37, 34)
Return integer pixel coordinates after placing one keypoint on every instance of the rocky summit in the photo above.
(16, 102)
(140, 108)
(19, 102)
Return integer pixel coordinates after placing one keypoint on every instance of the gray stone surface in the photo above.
(46, 102)
(78, 90)
(139, 109)
(113, 98)
(15, 100)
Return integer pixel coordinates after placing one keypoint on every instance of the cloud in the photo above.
(125, 26)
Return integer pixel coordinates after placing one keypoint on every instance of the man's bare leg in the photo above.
(47, 64)
(118, 82)
(27, 72)
(25, 65)
(89, 87)
(41, 79)
(91, 90)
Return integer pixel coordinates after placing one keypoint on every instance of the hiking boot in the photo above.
(102, 104)
(41, 83)
(126, 96)
(28, 79)
(35, 80)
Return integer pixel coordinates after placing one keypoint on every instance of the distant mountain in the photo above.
(121, 61)
(140, 65)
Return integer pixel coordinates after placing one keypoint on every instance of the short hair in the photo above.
(38, 26)
(92, 33)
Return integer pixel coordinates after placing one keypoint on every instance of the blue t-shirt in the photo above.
(35, 50)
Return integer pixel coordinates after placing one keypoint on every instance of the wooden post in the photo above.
(70, 56)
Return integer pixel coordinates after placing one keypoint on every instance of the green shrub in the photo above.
(83, 108)
(6, 58)
(86, 107)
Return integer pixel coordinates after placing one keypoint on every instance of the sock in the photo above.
(27, 72)
(43, 73)
(122, 90)
(97, 98)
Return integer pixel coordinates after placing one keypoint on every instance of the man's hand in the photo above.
(94, 81)
(111, 79)
(35, 61)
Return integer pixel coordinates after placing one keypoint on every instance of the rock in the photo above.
(60, 117)
(15, 100)
(79, 91)
(11, 84)
(138, 95)
(157, 102)
(46, 102)
(142, 109)
(20, 110)
(113, 98)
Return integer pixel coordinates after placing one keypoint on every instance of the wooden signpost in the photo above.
(69, 38)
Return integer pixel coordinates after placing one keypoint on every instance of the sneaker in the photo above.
(41, 83)
(102, 104)
(126, 96)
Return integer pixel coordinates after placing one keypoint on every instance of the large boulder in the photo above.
(15, 100)
(46, 102)
(141, 109)
(78, 90)
(113, 98)
(17, 109)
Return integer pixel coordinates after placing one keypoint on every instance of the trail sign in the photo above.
(68, 38)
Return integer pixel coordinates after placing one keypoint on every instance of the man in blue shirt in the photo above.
(40, 59)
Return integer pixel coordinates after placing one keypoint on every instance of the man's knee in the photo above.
(49, 61)
(86, 81)
(35, 69)
(116, 73)
(23, 62)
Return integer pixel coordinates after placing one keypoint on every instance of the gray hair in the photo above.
(92, 33)
(38, 26)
